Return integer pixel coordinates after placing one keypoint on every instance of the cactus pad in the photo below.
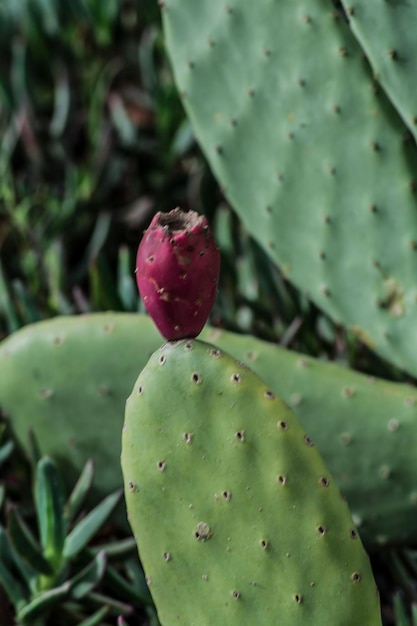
(235, 514)
(387, 33)
(310, 152)
(68, 380)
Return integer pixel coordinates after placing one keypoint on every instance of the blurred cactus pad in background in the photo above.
(292, 128)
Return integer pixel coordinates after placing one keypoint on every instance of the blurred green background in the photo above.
(94, 141)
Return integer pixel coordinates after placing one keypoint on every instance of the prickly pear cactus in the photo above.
(177, 269)
(311, 153)
(236, 516)
(365, 429)
(387, 33)
(67, 380)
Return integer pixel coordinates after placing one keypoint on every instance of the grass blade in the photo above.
(50, 502)
(87, 528)
(80, 490)
(96, 618)
(26, 546)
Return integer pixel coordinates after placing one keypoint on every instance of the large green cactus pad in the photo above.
(387, 33)
(310, 153)
(236, 516)
(366, 430)
(68, 380)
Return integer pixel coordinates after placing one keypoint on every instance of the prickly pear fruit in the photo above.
(236, 517)
(177, 269)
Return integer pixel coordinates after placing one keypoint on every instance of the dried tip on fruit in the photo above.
(177, 271)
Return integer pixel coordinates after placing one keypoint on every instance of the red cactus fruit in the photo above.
(177, 270)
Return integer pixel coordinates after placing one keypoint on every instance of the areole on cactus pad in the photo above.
(177, 269)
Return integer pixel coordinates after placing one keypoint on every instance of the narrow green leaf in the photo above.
(137, 576)
(13, 587)
(126, 287)
(119, 607)
(7, 308)
(183, 140)
(117, 549)
(122, 588)
(2, 496)
(96, 618)
(26, 302)
(49, 17)
(104, 294)
(152, 616)
(99, 237)
(12, 561)
(26, 546)
(79, 537)
(80, 490)
(35, 451)
(14, 590)
(50, 502)
(401, 618)
(62, 100)
(43, 603)
(5, 451)
(54, 263)
(124, 126)
(89, 577)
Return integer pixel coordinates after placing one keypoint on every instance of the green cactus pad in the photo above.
(54, 373)
(387, 33)
(236, 517)
(67, 380)
(310, 152)
(365, 429)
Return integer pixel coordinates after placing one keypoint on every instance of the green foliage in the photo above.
(54, 572)
(89, 143)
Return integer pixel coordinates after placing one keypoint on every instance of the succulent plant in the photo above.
(310, 149)
(228, 496)
(364, 428)
(58, 571)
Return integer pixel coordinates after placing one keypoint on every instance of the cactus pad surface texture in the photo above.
(237, 518)
(68, 380)
(310, 152)
(387, 34)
